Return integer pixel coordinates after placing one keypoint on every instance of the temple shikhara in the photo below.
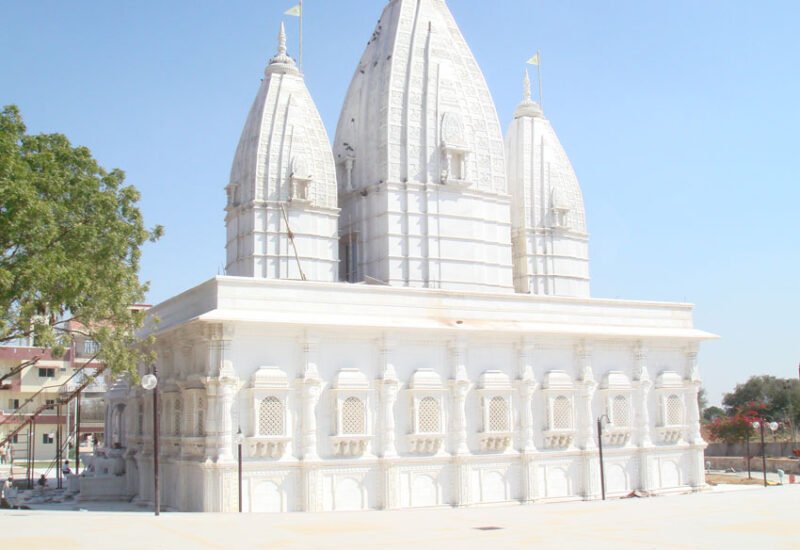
(405, 319)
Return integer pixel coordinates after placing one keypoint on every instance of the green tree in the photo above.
(70, 240)
(702, 400)
(780, 396)
(712, 413)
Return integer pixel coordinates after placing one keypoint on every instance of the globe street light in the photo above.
(602, 420)
(150, 382)
(759, 425)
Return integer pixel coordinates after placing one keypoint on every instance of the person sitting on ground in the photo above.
(65, 469)
(42, 483)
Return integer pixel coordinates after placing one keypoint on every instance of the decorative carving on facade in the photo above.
(671, 408)
(559, 392)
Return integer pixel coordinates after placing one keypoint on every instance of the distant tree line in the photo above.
(762, 397)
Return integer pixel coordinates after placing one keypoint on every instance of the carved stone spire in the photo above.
(526, 87)
(282, 58)
(527, 107)
(282, 40)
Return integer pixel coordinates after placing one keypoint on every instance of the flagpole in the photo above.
(539, 77)
(301, 35)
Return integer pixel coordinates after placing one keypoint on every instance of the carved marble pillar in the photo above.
(694, 437)
(692, 409)
(526, 385)
(585, 435)
(459, 386)
(310, 392)
(642, 385)
(586, 389)
(219, 425)
(218, 338)
(311, 389)
(389, 387)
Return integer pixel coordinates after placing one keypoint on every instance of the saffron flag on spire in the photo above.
(297, 11)
(534, 60)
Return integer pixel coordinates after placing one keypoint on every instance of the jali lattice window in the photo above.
(354, 417)
(620, 415)
(562, 413)
(270, 416)
(428, 416)
(498, 414)
(178, 416)
(674, 411)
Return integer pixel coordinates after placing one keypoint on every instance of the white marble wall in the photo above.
(311, 476)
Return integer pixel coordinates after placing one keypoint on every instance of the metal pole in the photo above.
(300, 58)
(749, 474)
(157, 494)
(539, 77)
(240, 476)
(28, 464)
(600, 447)
(32, 458)
(77, 433)
(58, 446)
(763, 453)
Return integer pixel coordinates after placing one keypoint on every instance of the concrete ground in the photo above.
(748, 517)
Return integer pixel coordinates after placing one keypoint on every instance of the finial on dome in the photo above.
(281, 61)
(282, 40)
(527, 107)
(526, 87)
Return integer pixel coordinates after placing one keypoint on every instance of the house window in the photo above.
(47, 372)
(354, 417)
(47, 439)
(270, 416)
(674, 411)
(140, 419)
(15, 438)
(620, 412)
(498, 414)
(90, 347)
(429, 416)
(562, 413)
(50, 404)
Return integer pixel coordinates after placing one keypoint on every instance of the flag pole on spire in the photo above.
(297, 11)
(537, 60)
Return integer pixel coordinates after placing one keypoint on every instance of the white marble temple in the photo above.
(454, 373)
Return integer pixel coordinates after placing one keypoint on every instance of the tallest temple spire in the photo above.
(420, 160)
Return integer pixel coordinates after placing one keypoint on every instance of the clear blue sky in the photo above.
(681, 118)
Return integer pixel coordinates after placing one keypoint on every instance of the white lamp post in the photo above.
(601, 421)
(150, 382)
(759, 425)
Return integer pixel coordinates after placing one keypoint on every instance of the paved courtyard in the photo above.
(747, 517)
